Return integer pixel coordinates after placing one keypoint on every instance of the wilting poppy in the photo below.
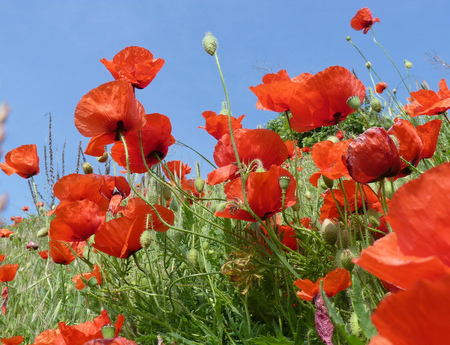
(120, 237)
(12, 341)
(82, 333)
(76, 221)
(106, 111)
(322, 99)
(380, 87)
(217, 125)
(98, 188)
(24, 161)
(277, 90)
(176, 170)
(428, 102)
(8, 272)
(363, 20)
(327, 156)
(419, 247)
(416, 316)
(32, 245)
(62, 252)
(264, 195)
(372, 156)
(79, 282)
(5, 233)
(333, 282)
(253, 145)
(134, 64)
(156, 138)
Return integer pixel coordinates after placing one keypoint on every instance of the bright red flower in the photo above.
(2, 257)
(49, 337)
(416, 316)
(5, 233)
(24, 161)
(176, 170)
(8, 272)
(62, 252)
(79, 283)
(277, 90)
(217, 125)
(121, 236)
(12, 341)
(106, 111)
(262, 145)
(25, 208)
(328, 158)
(333, 282)
(293, 149)
(429, 134)
(363, 20)
(156, 138)
(82, 333)
(419, 248)
(43, 254)
(322, 99)
(306, 149)
(380, 87)
(134, 64)
(428, 102)
(372, 156)
(264, 195)
(76, 221)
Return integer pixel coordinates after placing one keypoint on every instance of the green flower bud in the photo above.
(333, 139)
(328, 182)
(92, 282)
(209, 43)
(408, 64)
(221, 207)
(199, 184)
(174, 205)
(328, 231)
(348, 38)
(43, 232)
(152, 197)
(308, 195)
(166, 193)
(103, 158)
(192, 256)
(146, 239)
(87, 168)
(213, 207)
(376, 105)
(373, 217)
(388, 190)
(354, 325)
(346, 258)
(368, 65)
(342, 239)
(354, 102)
(178, 237)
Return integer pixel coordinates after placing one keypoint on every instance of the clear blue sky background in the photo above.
(50, 52)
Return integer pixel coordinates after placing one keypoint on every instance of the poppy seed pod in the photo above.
(284, 182)
(209, 43)
(87, 168)
(108, 331)
(354, 102)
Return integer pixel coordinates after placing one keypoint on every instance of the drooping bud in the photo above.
(209, 43)
(178, 237)
(328, 231)
(373, 217)
(87, 168)
(354, 102)
(284, 182)
(328, 182)
(146, 239)
(103, 158)
(42, 233)
(408, 64)
(388, 190)
(92, 282)
(376, 104)
(108, 331)
(199, 184)
(222, 206)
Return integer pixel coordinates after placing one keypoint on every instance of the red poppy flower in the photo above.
(98, 188)
(2, 257)
(322, 99)
(61, 252)
(217, 125)
(105, 111)
(333, 282)
(287, 234)
(420, 245)
(25, 208)
(111, 341)
(156, 138)
(380, 87)
(428, 102)
(43, 254)
(429, 134)
(363, 20)
(263, 145)
(293, 149)
(24, 161)
(176, 170)
(12, 341)
(121, 236)
(76, 221)
(264, 195)
(372, 156)
(8, 272)
(306, 149)
(346, 199)
(277, 90)
(416, 316)
(82, 333)
(5, 233)
(79, 283)
(49, 337)
(328, 158)
(134, 64)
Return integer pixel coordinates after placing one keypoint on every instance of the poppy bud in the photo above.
(354, 325)
(408, 64)
(92, 282)
(108, 331)
(213, 207)
(328, 231)
(284, 182)
(333, 139)
(153, 197)
(209, 43)
(178, 237)
(167, 194)
(354, 102)
(205, 245)
(222, 206)
(343, 238)
(388, 190)
(373, 217)
(346, 258)
(42, 233)
(328, 182)
(394, 91)
(87, 168)
(199, 184)
(308, 195)
(174, 205)
(368, 65)
(348, 38)
(146, 239)
(192, 256)
(103, 158)
(376, 105)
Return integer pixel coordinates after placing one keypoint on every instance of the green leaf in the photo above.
(363, 314)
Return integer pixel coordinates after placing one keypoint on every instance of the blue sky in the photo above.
(50, 52)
